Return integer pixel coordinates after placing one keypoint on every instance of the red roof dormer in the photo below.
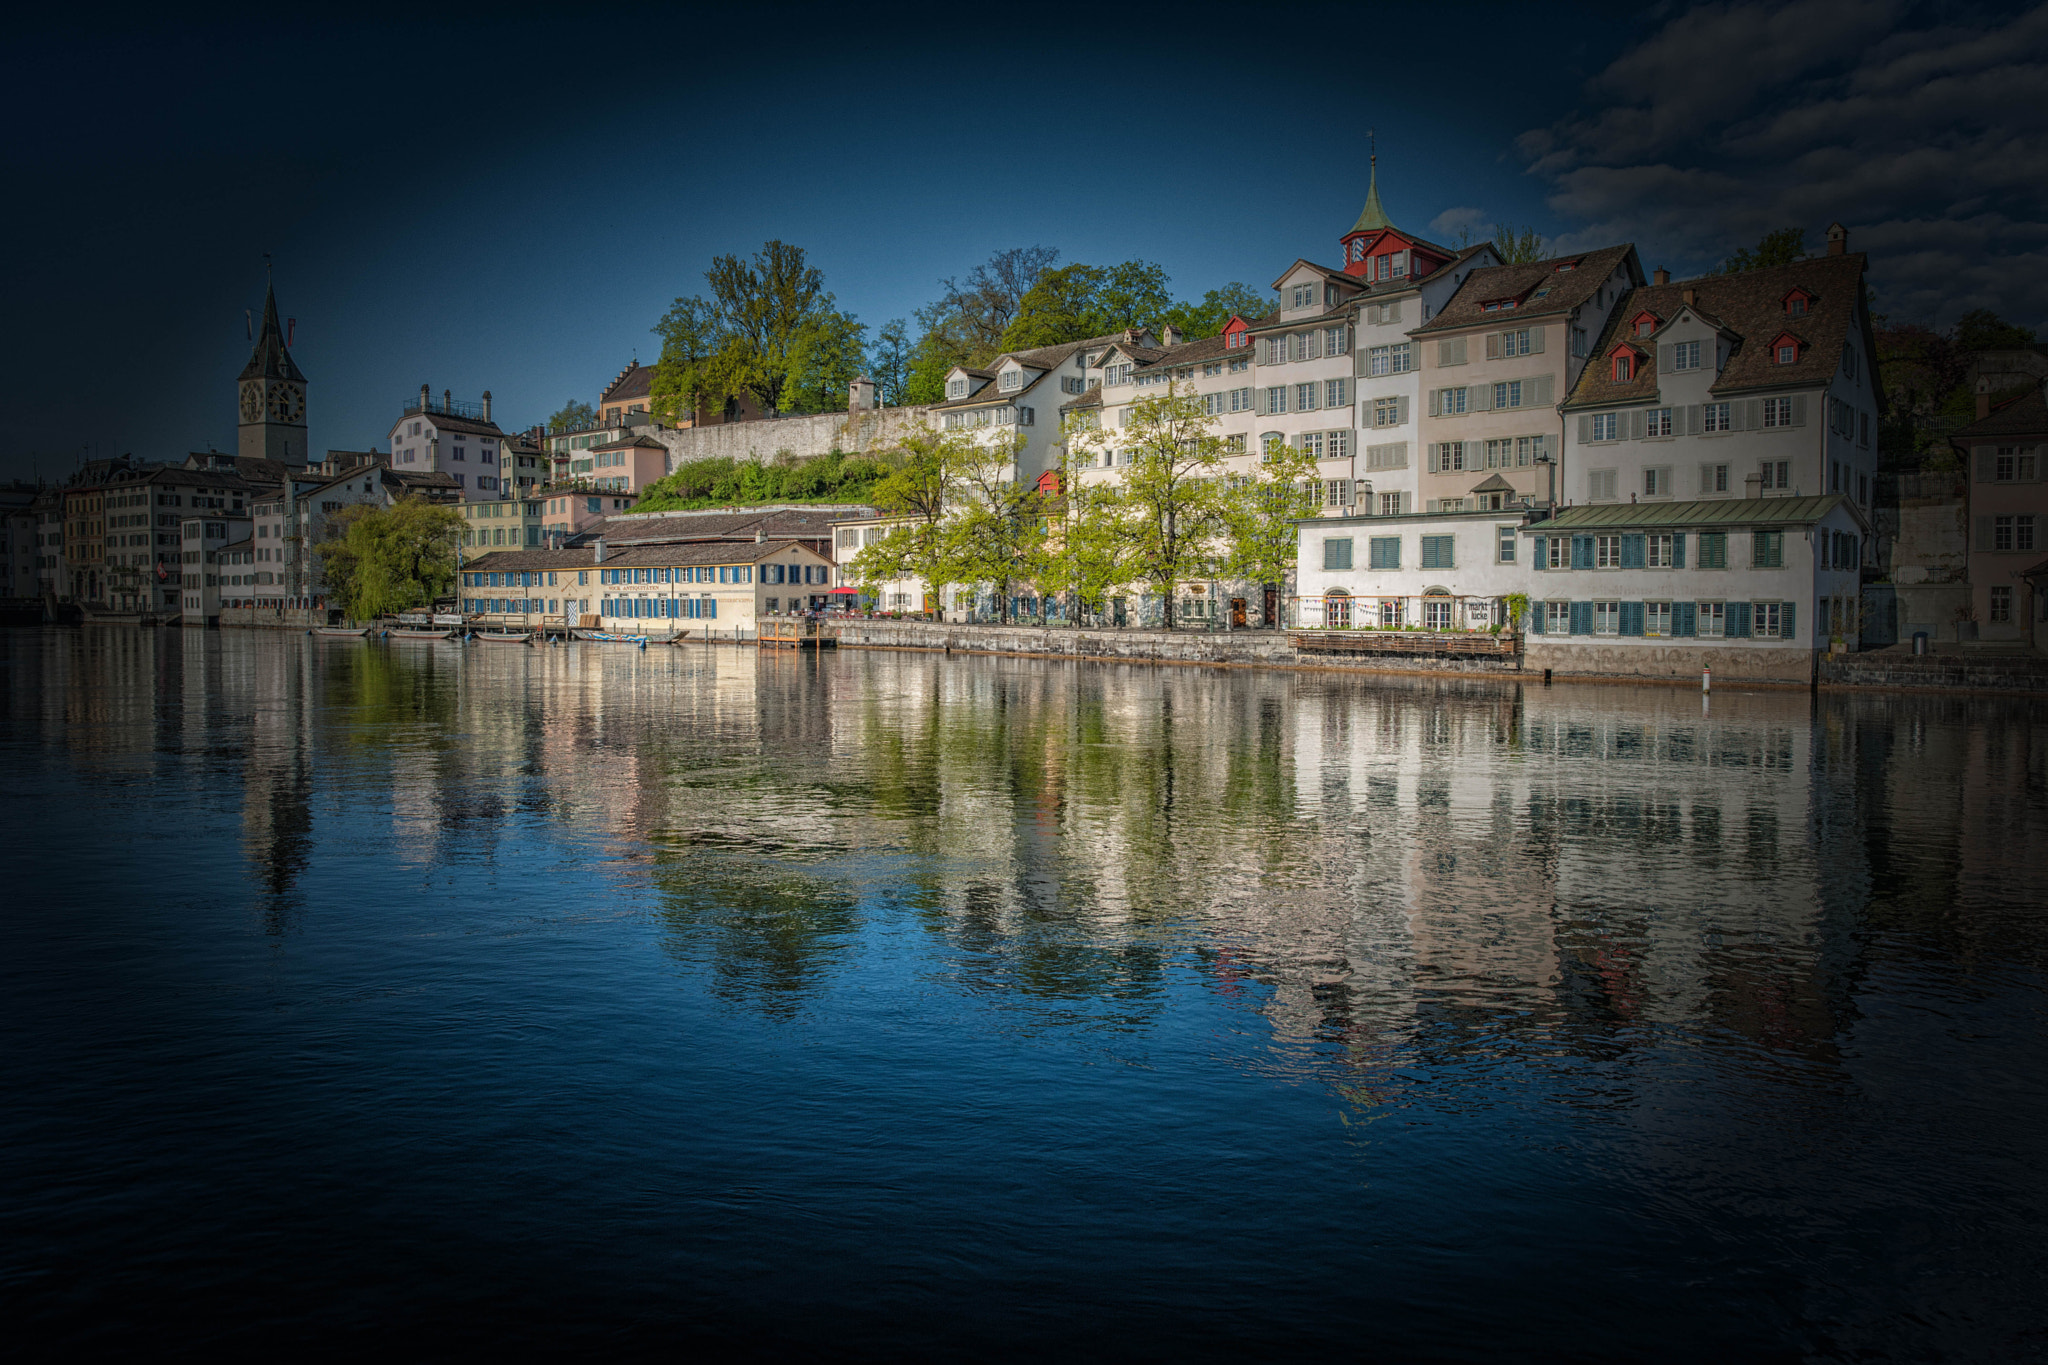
(1786, 349)
(1626, 362)
(1236, 333)
(1798, 303)
(1643, 323)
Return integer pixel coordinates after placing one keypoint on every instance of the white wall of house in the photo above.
(1389, 372)
(1446, 571)
(424, 441)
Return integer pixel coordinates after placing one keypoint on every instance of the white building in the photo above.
(215, 564)
(1755, 384)
(457, 439)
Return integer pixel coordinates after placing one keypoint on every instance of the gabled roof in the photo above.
(270, 359)
(1567, 289)
(683, 527)
(1718, 514)
(1747, 307)
(1334, 274)
(1493, 483)
(2026, 415)
(635, 381)
(636, 443)
(467, 426)
(692, 553)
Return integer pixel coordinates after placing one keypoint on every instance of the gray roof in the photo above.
(695, 553)
(1715, 515)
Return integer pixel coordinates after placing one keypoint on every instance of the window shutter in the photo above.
(1536, 608)
(1638, 422)
(1536, 340)
(1798, 409)
(1632, 552)
(1435, 403)
(1678, 551)
(1663, 357)
(1545, 395)
(1987, 464)
(1458, 351)
(1493, 345)
(1542, 546)
(1582, 552)
(1394, 311)
(1684, 618)
(1692, 419)
(1585, 430)
(1434, 447)
(1706, 478)
(1582, 618)
(1983, 534)
(1480, 398)
(1738, 620)
(1632, 618)
(1443, 353)
(1788, 621)
(1753, 415)
(1401, 409)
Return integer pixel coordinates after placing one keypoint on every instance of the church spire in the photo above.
(270, 359)
(1372, 217)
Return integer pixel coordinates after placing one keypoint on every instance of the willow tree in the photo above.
(1171, 496)
(384, 560)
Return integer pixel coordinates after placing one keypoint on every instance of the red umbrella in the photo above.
(837, 591)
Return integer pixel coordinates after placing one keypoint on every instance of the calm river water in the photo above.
(485, 997)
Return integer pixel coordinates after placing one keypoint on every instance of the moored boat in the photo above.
(609, 637)
(505, 637)
(416, 633)
(349, 632)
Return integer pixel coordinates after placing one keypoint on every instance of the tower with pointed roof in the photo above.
(272, 396)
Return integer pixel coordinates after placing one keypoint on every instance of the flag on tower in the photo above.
(291, 329)
(249, 322)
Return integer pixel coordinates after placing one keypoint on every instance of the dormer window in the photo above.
(1796, 302)
(1624, 368)
(1645, 326)
(1788, 353)
(956, 388)
(1010, 379)
(1563, 266)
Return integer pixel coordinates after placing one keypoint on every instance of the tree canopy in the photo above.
(1980, 329)
(1518, 246)
(769, 331)
(1782, 247)
(384, 560)
(719, 481)
(1205, 317)
(572, 416)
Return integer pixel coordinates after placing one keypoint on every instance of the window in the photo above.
(1337, 553)
(1504, 552)
(1714, 417)
(1579, 342)
(2023, 533)
(1796, 305)
(1436, 552)
(1391, 613)
(1337, 445)
(1606, 552)
(2001, 533)
(1010, 379)
(1385, 552)
(1775, 474)
(1336, 392)
(1685, 355)
(1713, 549)
(1607, 618)
(1311, 443)
(1306, 397)
(1624, 368)
(1436, 613)
(1336, 340)
(1508, 395)
(1658, 551)
(2001, 604)
(1788, 353)
(1766, 619)
(1395, 359)
(1657, 422)
(1388, 412)
(1448, 457)
(1768, 550)
(1657, 618)
(1606, 426)
(1558, 553)
(1451, 402)
(1276, 400)
(1271, 443)
(1390, 504)
(1557, 618)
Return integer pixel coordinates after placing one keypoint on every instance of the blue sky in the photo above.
(483, 203)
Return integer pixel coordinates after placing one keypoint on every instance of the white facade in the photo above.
(1447, 571)
(464, 444)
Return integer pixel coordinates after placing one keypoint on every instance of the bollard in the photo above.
(1707, 678)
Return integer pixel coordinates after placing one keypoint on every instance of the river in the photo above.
(480, 998)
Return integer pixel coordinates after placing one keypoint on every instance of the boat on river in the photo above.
(505, 637)
(608, 637)
(417, 633)
(342, 632)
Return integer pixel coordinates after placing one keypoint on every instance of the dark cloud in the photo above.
(1923, 134)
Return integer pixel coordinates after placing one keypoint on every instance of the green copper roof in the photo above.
(1717, 512)
(1372, 217)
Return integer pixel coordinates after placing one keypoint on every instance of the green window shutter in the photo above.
(1582, 618)
(1585, 430)
(1582, 552)
(1535, 618)
(1542, 551)
(1983, 534)
(1678, 550)
(1337, 554)
(1789, 620)
(1684, 618)
(1632, 553)
(1631, 618)
(1738, 620)
(1987, 464)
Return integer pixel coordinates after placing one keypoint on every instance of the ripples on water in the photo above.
(497, 997)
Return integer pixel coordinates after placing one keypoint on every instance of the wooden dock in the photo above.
(793, 632)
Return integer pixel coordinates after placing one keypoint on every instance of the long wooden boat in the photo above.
(349, 632)
(417, 633)
(504, 637)
(608, 637)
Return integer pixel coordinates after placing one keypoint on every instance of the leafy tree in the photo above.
(915, 488)
(1171, 496)
(392, 559)
(1517, 246)
(769, 331)
(719, 481)
(1205, 318)
(1261, 543)
(1082, 301)
(1087, 552)
(996, 527)
(573, 416)
(889, 363)
(974, 313)
(1132, 294)
(1980, 329)
(1782, 247)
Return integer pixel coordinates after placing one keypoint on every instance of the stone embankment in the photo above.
(1252, 648)
(1958, 672)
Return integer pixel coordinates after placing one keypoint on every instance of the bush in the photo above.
(721, 482)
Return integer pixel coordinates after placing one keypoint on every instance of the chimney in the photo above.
(423, 396)
(487, 405)
(1838, 240)
(1984, 397)
(1690, 295)
(447, 400)
(1660, 277)
(599, 551)
(760, 533)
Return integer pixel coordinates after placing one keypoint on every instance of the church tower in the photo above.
(273, 396)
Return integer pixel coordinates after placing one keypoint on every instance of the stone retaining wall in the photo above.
(1648, 661)
(267, 618)
(1962, 672)
(1264, 648)
(821, 434)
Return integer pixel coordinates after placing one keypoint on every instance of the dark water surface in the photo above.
(482, 998)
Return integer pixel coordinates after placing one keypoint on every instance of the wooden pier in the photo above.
(794, 632)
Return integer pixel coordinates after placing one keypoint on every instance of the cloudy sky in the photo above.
(510, 203)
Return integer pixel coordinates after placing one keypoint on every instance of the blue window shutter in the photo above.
(1632, 616)
(1542, 551)
(1678, 551)
(1535, 618)
(1632, 556)
(711, 606)
(1738, 620)
(1684, 618)
(1789, 620)
(1582, 618)
(1582, 552)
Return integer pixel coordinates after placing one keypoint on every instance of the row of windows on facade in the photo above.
(2007, 464)
(1660, 550)
(992, 417)
(1317, 344)
(1506, 452)
(2007, 533)
(1701, 419)
(1702, 619)
(1506, 395)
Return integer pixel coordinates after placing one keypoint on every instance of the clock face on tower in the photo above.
(252, 401)
(287, 403)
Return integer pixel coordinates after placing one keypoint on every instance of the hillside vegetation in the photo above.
(721, 482)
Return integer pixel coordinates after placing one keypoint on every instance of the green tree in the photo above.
(1782, 247)
(392, 559)
(1076, 302)
(1980, 329)
(972, 315)
(1205, 317)
(573, 416)
(1132, 294)
(1517, 246)
(1261, 543)
(769, 331)
(996, 528)
(1171, 497)
(914, 487)
(1087, 553)
(889, 363)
